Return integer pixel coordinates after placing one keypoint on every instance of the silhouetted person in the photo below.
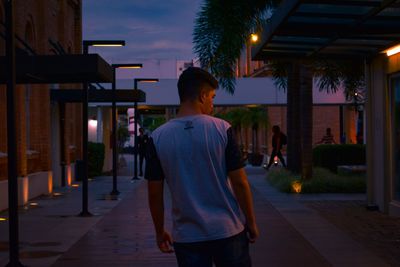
(142, 144)
(327, 138)
(278, 140)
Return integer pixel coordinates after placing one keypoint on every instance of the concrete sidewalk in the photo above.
(122, 233)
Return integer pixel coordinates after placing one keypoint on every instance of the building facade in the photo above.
(45, 141)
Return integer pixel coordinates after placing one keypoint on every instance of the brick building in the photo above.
(42, 27)
(341, 118)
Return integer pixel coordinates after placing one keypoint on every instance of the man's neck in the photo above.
(189, 109)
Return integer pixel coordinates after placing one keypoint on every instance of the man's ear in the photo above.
(202, 96)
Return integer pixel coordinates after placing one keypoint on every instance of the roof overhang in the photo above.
(336, 29)
(59, 69)
(74, 95)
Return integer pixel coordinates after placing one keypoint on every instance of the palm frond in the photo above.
(221, 31)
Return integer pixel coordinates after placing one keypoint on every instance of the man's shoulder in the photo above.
(217, 121)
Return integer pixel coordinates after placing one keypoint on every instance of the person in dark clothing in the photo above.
(327, 138)
(278, 140)
(142, 143)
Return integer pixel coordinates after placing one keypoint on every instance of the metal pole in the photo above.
(62, 143)
(115, 191)
(85, 211)
(11, 139)
(135, 176)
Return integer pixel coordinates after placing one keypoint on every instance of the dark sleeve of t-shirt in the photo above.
(233, 155)
(153, 170)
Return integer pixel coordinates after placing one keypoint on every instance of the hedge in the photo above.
(331, 156)
(96, 154)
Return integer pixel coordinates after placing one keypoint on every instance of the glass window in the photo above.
(396, 133)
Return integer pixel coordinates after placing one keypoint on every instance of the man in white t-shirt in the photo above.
(198, 158)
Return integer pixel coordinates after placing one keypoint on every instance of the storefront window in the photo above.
(396, 121)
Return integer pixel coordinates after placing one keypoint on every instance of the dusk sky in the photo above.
(152, 29)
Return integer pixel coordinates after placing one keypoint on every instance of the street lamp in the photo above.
(86, 43)
(115, 191)
(136, 81)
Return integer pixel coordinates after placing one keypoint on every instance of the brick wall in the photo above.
(35, 22)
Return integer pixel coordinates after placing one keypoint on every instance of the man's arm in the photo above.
(155, 177)
(241, 188)
(156, 204)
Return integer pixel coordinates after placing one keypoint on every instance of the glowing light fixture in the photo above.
(33, 204)
(3, 219)
(75, 185)
(254, 37)
(296, 186)
(103, 43)
(56, 194)
(127, 66)
(93, 123)
(393, 50)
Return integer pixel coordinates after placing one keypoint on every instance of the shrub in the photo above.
(331, 156)
(323, 181)
(96, 154)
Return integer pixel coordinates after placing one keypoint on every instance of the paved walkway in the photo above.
(122, 233)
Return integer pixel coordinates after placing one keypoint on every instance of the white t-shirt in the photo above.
(194, 154)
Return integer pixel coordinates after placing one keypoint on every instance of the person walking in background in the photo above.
(197, 156)
(327, 138)
(142, 144)
(279, 139)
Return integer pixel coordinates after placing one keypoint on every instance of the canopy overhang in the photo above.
(75, 96)
(336, 29)
(45, 69)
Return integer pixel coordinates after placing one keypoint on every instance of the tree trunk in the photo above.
(293, 119)
(306, 103)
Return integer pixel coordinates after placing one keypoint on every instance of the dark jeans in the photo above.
(228, 252)
(141, 159)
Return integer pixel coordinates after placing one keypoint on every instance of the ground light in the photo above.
(3, 219)
(296, 186)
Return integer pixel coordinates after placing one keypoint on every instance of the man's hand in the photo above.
(253, 233)
(164, 242)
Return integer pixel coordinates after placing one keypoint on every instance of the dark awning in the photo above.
(330, 28)
(74, 95)
(59, 69)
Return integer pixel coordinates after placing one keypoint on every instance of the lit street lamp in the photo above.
(136, 81)
(115, 191)
(86, 43)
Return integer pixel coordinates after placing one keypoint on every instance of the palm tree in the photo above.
(255, 117)
(221, 32)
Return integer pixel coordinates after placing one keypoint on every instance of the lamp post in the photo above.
(115, 191)
(136, 81)
(86, 43)
(11, 138)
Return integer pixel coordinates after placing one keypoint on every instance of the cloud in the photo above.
(151, 28)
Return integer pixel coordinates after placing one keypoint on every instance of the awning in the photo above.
(59, 69)
(74, 95)
(329, 28)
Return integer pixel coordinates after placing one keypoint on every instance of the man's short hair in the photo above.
(192, 80)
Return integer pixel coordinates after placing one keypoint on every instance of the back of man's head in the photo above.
(192, 81)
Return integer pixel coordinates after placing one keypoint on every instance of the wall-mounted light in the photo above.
(393, 50)
(254, 37)
(93, 122)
